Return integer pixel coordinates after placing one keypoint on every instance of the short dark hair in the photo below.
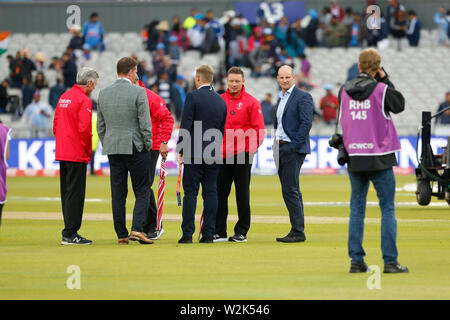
(235, 70)
(94, 14)
(126, 64)
(412, 13)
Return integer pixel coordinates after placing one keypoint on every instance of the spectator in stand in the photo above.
(335, 33)
(56, 92)
(158, 59)
(163, 29)
(442, 19)
(329, 105)
(336, 10)
(305, 67)
(348, 17)
(39, 61)
(355, 32)
(391, 11)
(176, 22)
(237, 47)
(295, 46)
(268, 109)
(311, 28)
(414, 28)
(21, 67)
(191, 20)
(257, 58)
(211, 42)
(182, 36)
(214, 24)
(40, 82)
(398, 26)
(281, 31)
(27, 92)
(152, 36)
(443, 121)
(170, 69)
(174, 51)
(37, 116)
(179, 96)
(256, 40)
(196, 34)
(4, 95)
(69, 69)
(93, 33)
(165, 89)
(76, 43)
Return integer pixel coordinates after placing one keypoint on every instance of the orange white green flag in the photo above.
(4, 36)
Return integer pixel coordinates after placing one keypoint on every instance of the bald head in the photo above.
(285, 77)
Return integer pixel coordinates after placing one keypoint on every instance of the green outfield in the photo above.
(33, 265)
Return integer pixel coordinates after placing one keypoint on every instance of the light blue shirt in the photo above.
(280, 134)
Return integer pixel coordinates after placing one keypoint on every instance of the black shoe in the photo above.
(395, 268)
(220, 238)
(238, 238)
(292, 238)
(75, 239)
(206, 240)
(359, 268)
(185, 240)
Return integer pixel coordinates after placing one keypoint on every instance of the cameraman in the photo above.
(370, 138)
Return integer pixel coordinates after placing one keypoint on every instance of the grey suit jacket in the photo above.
(123, 118)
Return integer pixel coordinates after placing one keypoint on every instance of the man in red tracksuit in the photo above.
(162, 124)
(244, 132)
(72, 127)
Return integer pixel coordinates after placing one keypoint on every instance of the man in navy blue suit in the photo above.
(293, 121)
(199, 148)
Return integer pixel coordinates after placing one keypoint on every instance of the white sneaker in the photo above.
(158, 234)
(217, 238)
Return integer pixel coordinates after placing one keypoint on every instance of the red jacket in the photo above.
(162, 120)
(243, 113)
(72, 126)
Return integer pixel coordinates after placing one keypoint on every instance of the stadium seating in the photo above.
(421, 74)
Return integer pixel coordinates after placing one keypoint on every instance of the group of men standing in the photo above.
(218, 138)
(134, 126)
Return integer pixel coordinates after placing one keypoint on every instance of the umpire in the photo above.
(203, 120)
(72, 127)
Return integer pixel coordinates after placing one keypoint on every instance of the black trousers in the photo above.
(240, 174)
(290, 164)
(150, 222)
(193, 176)
(137, 165)
(73, 189)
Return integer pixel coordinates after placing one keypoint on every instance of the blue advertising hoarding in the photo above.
(39, 154)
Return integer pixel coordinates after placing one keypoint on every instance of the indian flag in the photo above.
(4, 36)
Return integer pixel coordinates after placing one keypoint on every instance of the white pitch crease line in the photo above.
(271, 204)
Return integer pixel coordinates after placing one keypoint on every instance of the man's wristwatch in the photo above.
(165, 142)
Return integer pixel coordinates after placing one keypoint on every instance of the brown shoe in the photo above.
(123, 241)
(139, 236)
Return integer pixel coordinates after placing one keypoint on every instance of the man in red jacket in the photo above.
(72, 127)
(162, 124)
(244, 133)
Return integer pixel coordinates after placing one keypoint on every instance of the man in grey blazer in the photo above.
(125, 130)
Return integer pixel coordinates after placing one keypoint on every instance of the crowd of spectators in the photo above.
(263, 47)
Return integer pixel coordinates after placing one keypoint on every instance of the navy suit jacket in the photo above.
(297, 120)
(208, 107)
